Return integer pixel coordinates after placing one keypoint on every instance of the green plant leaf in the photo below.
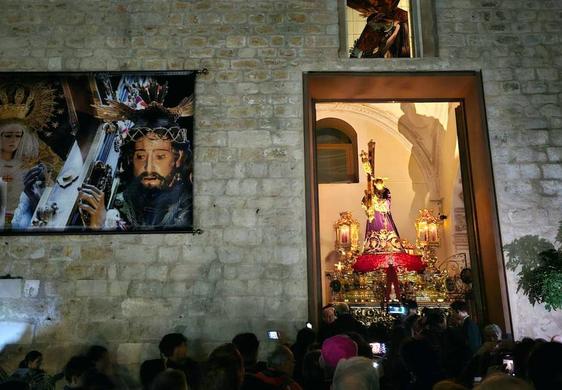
(524, 252)
(540, 272)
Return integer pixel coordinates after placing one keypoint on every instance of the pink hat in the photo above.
(336, 348)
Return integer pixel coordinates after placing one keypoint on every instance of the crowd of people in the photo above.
(431, 349)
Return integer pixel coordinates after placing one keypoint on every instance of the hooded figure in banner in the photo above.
(386, 34)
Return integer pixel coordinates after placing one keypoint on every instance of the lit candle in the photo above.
(432, 232)
(344, 234)
(422, 231)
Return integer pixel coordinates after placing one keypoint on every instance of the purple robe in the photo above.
(383, 217)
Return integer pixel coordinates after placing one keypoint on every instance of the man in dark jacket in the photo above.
(346, 323)
(470, 330)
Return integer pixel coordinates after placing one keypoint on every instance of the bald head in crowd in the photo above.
(281, 359)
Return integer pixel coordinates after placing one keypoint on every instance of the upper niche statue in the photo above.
(386, 34)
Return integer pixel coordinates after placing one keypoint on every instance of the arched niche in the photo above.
(344, 148)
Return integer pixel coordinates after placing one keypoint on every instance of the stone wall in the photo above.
(248, 270)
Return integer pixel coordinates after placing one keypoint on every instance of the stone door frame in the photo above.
(488, 267)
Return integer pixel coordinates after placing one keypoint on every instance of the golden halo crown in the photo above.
(32, 104)
(20, 106)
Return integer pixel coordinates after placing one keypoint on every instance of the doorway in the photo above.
(458, 93)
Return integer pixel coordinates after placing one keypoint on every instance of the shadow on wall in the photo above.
(128, 297)
(424, 133)
(52, 329)
(63, 318)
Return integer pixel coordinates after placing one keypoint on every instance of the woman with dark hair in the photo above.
(30, 372)
(224, 369)
(170, 379)
(100, 360)
(313, 373)
(305, 338)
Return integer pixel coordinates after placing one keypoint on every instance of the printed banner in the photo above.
(96, 152)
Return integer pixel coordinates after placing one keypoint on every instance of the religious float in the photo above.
(383, 270)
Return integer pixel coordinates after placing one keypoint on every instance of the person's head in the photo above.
(149, 369)
(225, 369)
(355, 373)
(500, 381)
(305, 337)
(459, 310)
(312, 372)
(173, 346)
(25, 109)
(492, 332)
(248, 345)
(328, 314)
(92, 379)
(281, 359)
(435, 320)
(336, 348)
(412, 325)
(169, 380)
(545, 366)
(155, 150)
(155, 161)
(521, 352)
(412, 306)
(11, 134)
(99, 358)
(363, 347)
(448, 385)
(342, 308)
(33, 360)
(75, 369)
(379, 183)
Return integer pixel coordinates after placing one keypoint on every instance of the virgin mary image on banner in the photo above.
(30, 115)
(96, 152)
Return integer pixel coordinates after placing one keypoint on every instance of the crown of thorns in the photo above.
(175, 134)
(152, 97)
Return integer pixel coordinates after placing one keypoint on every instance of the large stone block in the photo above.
(148, 307)
(131, 271)
(148, 288)
(169, 254)
(552, 171)
(11, 288)
(134, 353)
(243, 307)
(157, 272)
(90, 288)
(136, 253)
(244, 218)
(107, 330)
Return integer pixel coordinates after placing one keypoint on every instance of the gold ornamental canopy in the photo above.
(347, 232)
(427, 228)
